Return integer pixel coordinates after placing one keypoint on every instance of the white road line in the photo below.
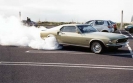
(129, 34)
(128, 46)
(130, 50)
(3, 62)
(67, 65)
(68, 52)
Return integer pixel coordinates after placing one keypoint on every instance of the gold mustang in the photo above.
(86, 36)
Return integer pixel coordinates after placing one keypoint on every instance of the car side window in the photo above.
(91, 23)
(108, 23)
(99, 22)
(88, 22)
(68, 29)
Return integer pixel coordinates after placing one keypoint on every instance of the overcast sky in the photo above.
(68, 10)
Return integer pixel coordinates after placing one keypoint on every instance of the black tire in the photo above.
(131, 30)
(97, 47)
(104, 31)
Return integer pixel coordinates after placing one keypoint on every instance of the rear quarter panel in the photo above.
(44, 34)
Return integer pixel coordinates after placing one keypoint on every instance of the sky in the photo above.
(68, 10)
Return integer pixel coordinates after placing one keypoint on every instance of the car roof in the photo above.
(99, 20)
(73, 24)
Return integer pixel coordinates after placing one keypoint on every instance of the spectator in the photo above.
(28, 21)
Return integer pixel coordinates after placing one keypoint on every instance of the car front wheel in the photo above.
(97, 47)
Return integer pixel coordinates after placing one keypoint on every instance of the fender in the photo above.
(96, 40)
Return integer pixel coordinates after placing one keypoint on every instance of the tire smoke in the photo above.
(14, 33)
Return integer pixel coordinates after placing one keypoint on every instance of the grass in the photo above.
(46, 23)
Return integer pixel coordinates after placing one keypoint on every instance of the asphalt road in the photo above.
(68, 65)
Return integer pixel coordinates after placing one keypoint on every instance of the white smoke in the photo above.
(13, 33)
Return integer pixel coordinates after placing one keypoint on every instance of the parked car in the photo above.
(129, 28)
(101, 25)
(86, 36)
(113, 24)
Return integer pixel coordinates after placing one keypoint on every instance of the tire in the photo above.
(131, 30)
(97, 47)
(104, 31)
(51, 35)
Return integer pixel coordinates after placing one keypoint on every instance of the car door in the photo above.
(68, 35)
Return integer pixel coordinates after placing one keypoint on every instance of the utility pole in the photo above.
(20, 16)
(132, 20)
(121, 27)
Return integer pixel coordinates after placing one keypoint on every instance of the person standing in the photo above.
(28, 21)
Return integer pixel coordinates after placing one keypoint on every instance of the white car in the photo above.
(101, 25)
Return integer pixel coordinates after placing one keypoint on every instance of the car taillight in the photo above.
(109, 26)
(114, 25)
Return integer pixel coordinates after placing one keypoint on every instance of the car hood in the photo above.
(106, 35)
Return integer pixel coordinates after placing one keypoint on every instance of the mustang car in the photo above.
(86, 36)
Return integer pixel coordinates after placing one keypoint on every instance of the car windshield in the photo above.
(86, 28)
(112, 22)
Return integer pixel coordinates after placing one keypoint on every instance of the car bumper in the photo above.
(118, 45)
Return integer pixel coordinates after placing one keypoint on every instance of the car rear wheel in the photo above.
(104, 31)
(97, 47)
(131, 30)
